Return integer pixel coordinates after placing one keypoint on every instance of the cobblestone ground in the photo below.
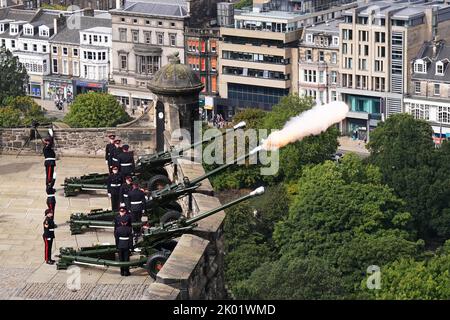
(22, 205)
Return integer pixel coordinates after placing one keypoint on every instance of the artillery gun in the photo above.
(149, 169)
(161, 205)
(151, 251)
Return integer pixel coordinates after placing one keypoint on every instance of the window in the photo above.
(309, 38)
(76, 69)
(363, 36)
(55, 50)
(135, 21)
(348, 63)
(362, 64)
(103, 56)
(65, 51)
(380, 37)
(124, 81)
(173, 39)
(123, 35)
(55, 65)
(333, 77)
(44, 33)
(75, 52)
(321, 56)
(13, 44)
(308, 55)
(444, 114)
(417, 87)
(420, 111)
(2, 28)
(160, 38)
(440, 68)
(333, 96)
(123, 62)
(344, 48)
(420, 67)
(321, 77)
(34, 47)
(172, 24)
(381, 52)
(135, 35)
(147, 37)
(378, 67)
(309, 76)
(28, 31)
(65, 67)
(14, 29)
(106, 39)
(347, 34)
(25, 46)
(147, 21)
(160, 23)
(122, 19)
(335, 41)
(3, 43)
(333, 57)
(437, 89)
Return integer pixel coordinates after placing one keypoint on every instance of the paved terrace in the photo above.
(22, 205)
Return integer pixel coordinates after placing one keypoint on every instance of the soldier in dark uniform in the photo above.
(124, 243)
(113, 184)
(108, 152)
(51, 199)
(115, 153)
(123, 216)
(124, 189)
(49, 162)
(126, 161)
(136, 197)
(48, 236)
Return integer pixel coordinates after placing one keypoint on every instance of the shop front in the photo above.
(35, 90)
(90, 86)
(58, 89)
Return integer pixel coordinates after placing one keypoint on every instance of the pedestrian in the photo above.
(124, 241)
(126, 161)
(115, 153)
(136, 197)
(49, 162)
(51, 199)
(126, 187)
(48, 236)
(114, 183)
(108, 152)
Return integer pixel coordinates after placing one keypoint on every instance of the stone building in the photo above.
(429, 93)
(378, 41)
(176, 89)
(318, 62)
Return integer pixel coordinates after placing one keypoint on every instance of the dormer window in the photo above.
(44, 32)
(2, 28)
(309, 38)
(335, 41)
(420, 66)
(14, 29)
(28, 31)
(439, 68)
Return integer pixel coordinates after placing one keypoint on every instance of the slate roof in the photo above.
(72, 36)
(442, 54)
(166, 8)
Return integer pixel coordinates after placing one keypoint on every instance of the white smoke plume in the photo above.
(310, 122)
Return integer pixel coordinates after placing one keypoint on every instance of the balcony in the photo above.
(285, 37)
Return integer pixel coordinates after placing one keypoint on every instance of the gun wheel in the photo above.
(173, 205)
(170, 215)
(155, 263)
(157, 181)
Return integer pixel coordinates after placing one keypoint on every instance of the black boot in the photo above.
(122, 272)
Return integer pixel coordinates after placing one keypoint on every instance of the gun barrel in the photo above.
(86, 186)
(203, 215)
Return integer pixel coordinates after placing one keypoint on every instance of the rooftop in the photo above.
(331, 26)
(165, 8)
(68, 35)
(442, 54)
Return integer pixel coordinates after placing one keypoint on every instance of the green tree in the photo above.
(344, 215)
(243, 3)
(95, 110)
(29, 109)
(13, 76)
(297, 278)
(9, 117)
(254, 118)
(411, 279)
(403, 149)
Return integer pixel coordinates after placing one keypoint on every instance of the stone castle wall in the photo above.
(87, 142)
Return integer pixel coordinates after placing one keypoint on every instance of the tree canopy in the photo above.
(95, 110)
(13, 76)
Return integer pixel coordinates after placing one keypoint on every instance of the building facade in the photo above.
(429, 94)
(144, 35)
(259, 56)
(377, 42)
(318, 62)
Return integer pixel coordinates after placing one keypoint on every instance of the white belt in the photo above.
(50, 159)
(50, 195)
(125, 164)
(124, 238)
(51, 229)
(115, 185)
(136, 202)
(125, 195)
(49, 238)
(114, 159)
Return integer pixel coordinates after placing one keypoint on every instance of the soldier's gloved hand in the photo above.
(109, 195)
(106, 161)
(122, 204)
